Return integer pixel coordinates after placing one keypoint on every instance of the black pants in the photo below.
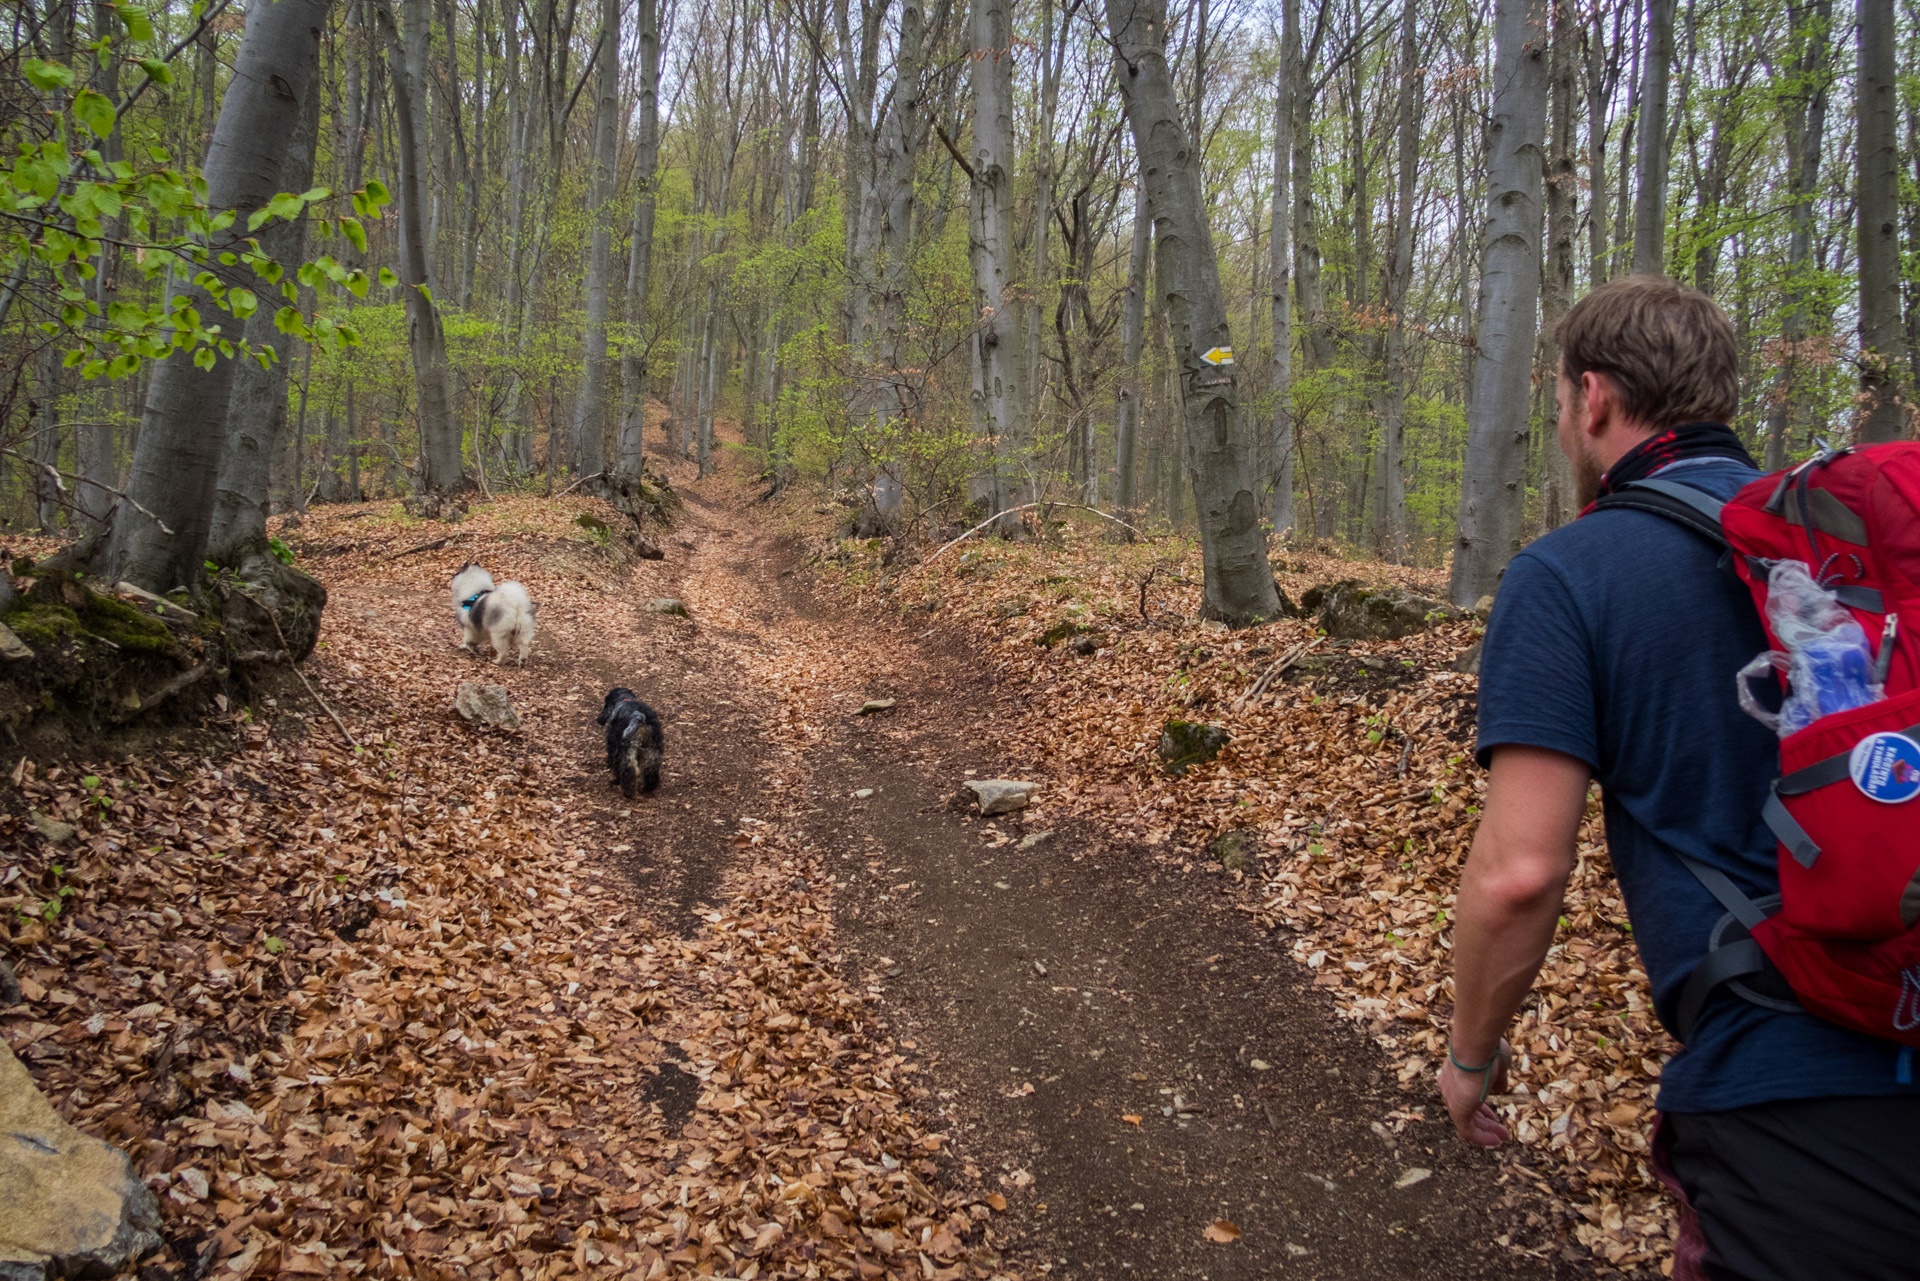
(1808, 1190)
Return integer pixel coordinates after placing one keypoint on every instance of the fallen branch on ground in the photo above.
(1274, 672)
(185, 680)
(431, 544)
(1028, 507)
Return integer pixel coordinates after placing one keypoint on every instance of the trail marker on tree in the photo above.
(1218, 356)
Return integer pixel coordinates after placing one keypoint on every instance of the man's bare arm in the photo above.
(1510, 899)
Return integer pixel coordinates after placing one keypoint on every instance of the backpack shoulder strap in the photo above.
(1682, 504)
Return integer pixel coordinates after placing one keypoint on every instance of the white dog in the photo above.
(502, 615)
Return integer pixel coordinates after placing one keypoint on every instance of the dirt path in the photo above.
(1050, 989)
(1106, 1042)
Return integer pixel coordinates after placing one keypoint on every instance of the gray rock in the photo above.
(9, 594)
(485, 705)
(1483, 608)
(667, 605)
(9, 985)
(1185, 743)
(873, 705)
(1032, 839)
(645, 548)
(1001, 795)
(1469, 661)
(11, 646)
(1236, 851)
(1349, 610)
(1085, 646)
(51, 828)
(70, 1205)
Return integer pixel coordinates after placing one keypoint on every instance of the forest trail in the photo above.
(446, 1005)
(1049, 991)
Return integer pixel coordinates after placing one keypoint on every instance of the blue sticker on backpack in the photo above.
(1886, 767)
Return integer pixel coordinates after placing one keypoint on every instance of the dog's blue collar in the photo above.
(474, 599)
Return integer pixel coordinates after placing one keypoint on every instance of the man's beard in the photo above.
(1587, 472)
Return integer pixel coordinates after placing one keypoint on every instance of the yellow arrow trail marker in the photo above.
(1219, 356)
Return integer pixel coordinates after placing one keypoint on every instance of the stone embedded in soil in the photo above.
(11, 646)
(1236, 851)
(70, 1205)
(1032, 839)
(51, 828)
(1185, 743)
(1349, 610)
(1001, 795)
(873, 705)
(485, 705)
(667, 605)
(1085, 646)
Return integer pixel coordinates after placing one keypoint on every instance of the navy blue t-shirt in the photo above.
(1615, 640)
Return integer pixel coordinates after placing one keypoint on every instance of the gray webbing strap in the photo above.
(1733, 961)
(1701, 502)
(1724, 891)
(1784, 826)
(1823, 772)
(1854, 596)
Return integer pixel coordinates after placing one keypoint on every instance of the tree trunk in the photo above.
(1878, 197)
(589, 409)
(257, 409)
(1493, 479)
(176, 461)
(1600, 86)
(1238, 584)
(1001, 386)
(1132, 336)
(1650, 180)
(1280, 247)
(633, 353)
(1556, 286)
(427, 341)
(1806, 136)
(894, 172)
(1393, 407)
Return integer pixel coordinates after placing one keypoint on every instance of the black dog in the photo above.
(635, 741)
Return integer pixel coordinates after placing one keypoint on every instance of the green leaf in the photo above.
(259, 218)
(315, 193)
(95, 111)
(377, 193)
(241, 302)
(351, 228)
(204, 358)
(158, 72)
(47, 76)
(387, 278)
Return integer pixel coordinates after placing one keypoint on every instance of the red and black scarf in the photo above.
(1688, 440)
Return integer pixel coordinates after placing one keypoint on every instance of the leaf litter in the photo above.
(382, 1013)
(1351, 772)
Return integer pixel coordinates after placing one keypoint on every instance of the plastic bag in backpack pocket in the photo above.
(1865, 881)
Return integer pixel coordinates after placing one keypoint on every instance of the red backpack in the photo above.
(1844, 931)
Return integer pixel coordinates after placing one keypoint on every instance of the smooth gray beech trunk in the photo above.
(257, 410)
(899, 145)
(1286, 88)
(1556, 284)
(1000, 389)
(1602, 68)
(590, 406)
(426, 339)
(1650, 178)
(1493, 479)
(1238, 585)
(1133, 317)
(646, 158)
(1391, 521)
(1806, 135)
(1878, 199)
(177, 459)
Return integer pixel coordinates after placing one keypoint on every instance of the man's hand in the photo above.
(1464, 1092)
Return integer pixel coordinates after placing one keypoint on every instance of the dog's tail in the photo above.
(640, 762)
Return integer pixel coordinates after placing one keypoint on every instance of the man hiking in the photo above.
(1611, 655)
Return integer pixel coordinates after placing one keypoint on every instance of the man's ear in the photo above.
(1602, 406)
